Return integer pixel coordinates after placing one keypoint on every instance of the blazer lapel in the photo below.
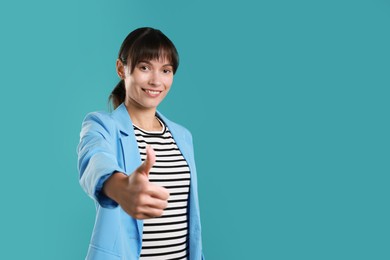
(180, 139)
(132, 158)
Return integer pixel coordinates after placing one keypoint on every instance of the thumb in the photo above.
(150, 159)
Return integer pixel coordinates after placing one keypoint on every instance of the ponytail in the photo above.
(118, 94)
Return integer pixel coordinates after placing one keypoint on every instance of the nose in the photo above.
(154, 79)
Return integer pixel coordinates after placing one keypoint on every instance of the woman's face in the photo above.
(148, 84)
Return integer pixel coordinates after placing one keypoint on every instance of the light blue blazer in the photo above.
(108, 144)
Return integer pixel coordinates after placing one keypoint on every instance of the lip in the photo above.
(153, 93)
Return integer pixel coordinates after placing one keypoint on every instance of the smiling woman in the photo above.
(139, 166)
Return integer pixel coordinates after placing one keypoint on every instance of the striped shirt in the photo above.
(166, 237)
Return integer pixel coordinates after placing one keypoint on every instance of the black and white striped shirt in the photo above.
(166, 237)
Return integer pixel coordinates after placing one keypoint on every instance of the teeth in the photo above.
(153, 92)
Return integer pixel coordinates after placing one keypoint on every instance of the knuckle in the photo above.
(159, 212)
(138, 209)
(144, 186)
(140, 200)
(166, 194)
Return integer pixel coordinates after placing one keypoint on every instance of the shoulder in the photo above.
(176, 128)
(179, 127)
(98, 121)
(115, 122)
(98, 117)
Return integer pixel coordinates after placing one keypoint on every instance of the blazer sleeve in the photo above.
(97, 158)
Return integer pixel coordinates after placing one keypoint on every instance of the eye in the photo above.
(167, 70)
(143, 67)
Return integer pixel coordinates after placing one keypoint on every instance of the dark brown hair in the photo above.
(143, 44)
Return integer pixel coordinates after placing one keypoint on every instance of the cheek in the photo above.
(169, 82)
(131, 84)
(128, 86)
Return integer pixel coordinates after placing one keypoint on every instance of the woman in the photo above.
(139, 166)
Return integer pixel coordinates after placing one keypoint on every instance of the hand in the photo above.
(137, 196)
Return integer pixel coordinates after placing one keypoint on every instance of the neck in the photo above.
(144, 118)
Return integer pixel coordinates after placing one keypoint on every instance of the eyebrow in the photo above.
(148, 62)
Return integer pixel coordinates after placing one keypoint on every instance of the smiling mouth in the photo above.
(152, 92)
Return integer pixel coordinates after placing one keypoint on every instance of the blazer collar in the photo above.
(122, 117)
(125, 125)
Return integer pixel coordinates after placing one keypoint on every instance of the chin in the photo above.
(151, 106)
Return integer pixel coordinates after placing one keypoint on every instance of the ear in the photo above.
(120, 69)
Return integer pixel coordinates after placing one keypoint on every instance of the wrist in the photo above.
(113, 184)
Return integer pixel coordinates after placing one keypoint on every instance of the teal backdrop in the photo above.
(288, 103)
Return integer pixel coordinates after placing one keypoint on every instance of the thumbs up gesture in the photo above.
(137, 196)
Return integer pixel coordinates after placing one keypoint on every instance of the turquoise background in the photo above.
(288, 103)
